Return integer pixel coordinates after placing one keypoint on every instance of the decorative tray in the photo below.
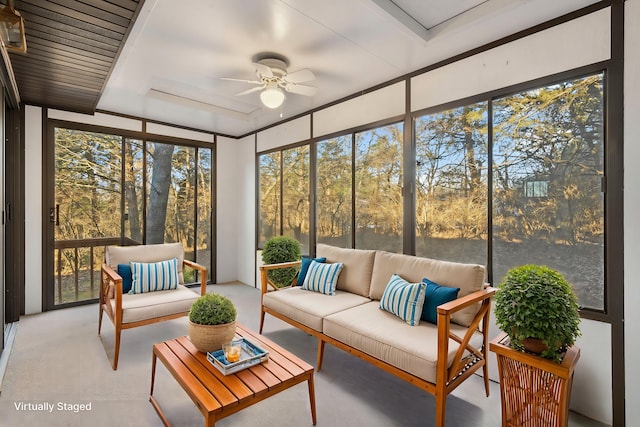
(251, 355)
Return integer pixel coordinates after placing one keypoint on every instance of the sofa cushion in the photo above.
(404, 299)
(380, 334)
(322, 277)
(468, 277)
(309, 308)
(434, 296)
(114, 255)
(154, 276)
(137, 307)
(358, 266)
(304, 267)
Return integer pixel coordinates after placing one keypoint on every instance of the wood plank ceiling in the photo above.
(72, 47)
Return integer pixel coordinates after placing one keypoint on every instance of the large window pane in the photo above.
(548, 205)
(451, 184)
(269, 216)
(87, 209)
(133, 190)
(203, 235)
(171, 196)
(334, 189)
(378, 186)
(295, 197)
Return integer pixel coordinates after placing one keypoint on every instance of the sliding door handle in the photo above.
(54, 215)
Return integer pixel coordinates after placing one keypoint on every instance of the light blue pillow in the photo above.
(304, 267)
(322, 278)
(436, 295)
(404, 299)
(154, 276)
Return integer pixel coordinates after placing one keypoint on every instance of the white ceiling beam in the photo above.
(192, 103)
(407, 21)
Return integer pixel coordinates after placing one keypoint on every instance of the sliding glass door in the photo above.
(108, 189)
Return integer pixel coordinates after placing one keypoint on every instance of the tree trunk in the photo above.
(159, 192)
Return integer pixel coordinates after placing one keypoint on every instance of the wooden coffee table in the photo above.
(217, 395)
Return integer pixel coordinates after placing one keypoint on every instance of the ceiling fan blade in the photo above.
(300, 76)
(253, 89)
(300, 89)
(263, 70)
(241, 80)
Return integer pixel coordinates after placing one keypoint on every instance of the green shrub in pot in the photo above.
(280, 249)
(536, 302)
(212, 322)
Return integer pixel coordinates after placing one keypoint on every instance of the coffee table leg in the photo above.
(312, 398)
(153, 372)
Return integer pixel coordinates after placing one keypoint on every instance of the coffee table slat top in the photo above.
(218, 395)
(233, 383)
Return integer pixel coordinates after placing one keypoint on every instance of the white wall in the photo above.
(236, 209)
(33, 210)
(631, 209)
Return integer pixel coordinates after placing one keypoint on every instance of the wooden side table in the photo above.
(217, 395)
(534, 391)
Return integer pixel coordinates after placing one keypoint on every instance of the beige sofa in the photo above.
(132, 310)
(434, 358)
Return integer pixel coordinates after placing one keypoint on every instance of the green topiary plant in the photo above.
(537, 302)
(212, 309)
(281, 249)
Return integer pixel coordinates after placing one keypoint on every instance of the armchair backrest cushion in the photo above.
(115, 255)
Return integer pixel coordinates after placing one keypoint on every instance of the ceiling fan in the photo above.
(273, 77)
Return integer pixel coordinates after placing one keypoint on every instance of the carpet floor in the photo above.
(59, 374)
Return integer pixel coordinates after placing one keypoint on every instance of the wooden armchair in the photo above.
(132, 310)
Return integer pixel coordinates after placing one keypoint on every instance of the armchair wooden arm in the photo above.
(264, 279)
(203, 274)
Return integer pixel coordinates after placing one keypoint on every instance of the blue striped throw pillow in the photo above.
(154, 276)
(322, 277)
(404, 299)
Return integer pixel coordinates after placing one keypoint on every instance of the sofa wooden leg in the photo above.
(261, 320)
(320, 353)
(441, 406)
(100, 320)
(485, 374)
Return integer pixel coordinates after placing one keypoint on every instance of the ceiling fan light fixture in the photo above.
(12, 29)
(272, 97)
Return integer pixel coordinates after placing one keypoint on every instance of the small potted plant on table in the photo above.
(212, 322)
(538, 311)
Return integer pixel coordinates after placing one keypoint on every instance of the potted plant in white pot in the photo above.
(212, 322)
(538, 309)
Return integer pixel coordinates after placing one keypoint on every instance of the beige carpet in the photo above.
(58, 374)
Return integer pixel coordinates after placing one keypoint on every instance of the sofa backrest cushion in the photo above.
(114, 255)
(358, 266)
(468, 277)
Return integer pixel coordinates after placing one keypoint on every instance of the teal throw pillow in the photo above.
(154, 276)
(304, 267)
(403, 299)
(124, 271)
(322, 278)
(436, 295)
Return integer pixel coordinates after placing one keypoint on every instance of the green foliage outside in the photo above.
(281, 249)
(537, 302)
(212, 309)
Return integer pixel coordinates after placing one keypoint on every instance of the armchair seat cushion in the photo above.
(137, 307)
(379, 333)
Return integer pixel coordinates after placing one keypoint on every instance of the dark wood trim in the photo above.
(13, 216)
(48, 201)
(614, 209)
(408, 177)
